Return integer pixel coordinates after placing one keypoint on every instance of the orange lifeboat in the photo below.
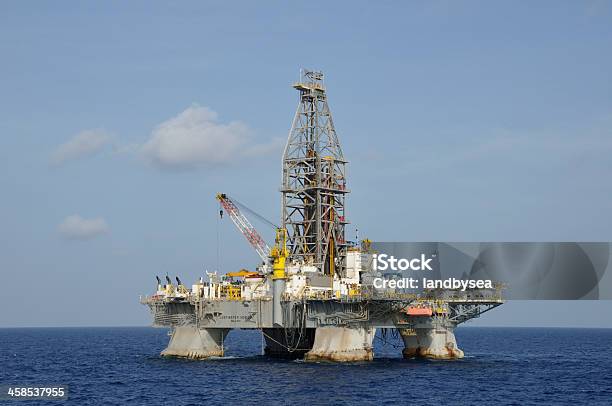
(418, 311)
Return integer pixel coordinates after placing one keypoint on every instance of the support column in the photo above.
(278, 288)
(411, 343)
(196, 343)
(436, 342)
(342, 344)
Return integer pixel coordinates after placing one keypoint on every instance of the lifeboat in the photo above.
(418, 311)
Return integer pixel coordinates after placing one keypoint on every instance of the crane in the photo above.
(275, 255)
(245, 227)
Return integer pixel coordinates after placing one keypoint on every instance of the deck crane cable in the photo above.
(383, 337)
(244, 225)
(253, 212)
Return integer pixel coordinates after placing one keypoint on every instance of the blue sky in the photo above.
(462, 121)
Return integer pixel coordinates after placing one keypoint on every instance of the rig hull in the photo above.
(316, 329)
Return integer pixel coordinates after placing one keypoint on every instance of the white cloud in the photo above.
(77, 228)
(195, 139)
(85, 143)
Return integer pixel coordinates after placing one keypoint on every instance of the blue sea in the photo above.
(503, 366)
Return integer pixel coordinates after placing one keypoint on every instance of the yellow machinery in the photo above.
(169, 290)
(231, 292)
(241, 274)
(354, 290)
(278, 253)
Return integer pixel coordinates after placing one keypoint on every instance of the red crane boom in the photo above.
(245, 227)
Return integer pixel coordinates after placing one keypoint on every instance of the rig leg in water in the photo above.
(411, 343)
(342, 344)
(436, 342)
(196, 343)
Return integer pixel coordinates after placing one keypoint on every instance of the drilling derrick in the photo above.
(314, 182)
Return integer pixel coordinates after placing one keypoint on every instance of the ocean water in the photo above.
(514, 366)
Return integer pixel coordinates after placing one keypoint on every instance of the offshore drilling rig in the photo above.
(312, 297)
